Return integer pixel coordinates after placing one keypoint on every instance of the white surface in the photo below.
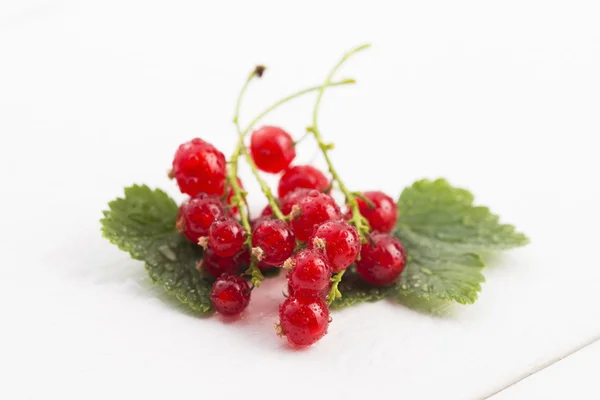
(575, 377)
(501, 98)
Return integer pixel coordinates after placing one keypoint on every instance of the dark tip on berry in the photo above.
(319, 243)
(203, 241)
(258, 253)
(296, 212)
(289, 264)
(259, 70)
(279, 330)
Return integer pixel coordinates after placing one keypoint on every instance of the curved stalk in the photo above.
(239, 197)
(263, 185)
(359, 222)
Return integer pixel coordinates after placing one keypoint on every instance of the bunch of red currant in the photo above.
(312, 241)
(302, 230)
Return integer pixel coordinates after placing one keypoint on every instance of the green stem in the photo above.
(364, 198)
(242, 134)
(292, 97)
(239, 197)
(297, 142)
(256, 72)
(335, 293)
(330, 77)
(263, 185)
(361, 224)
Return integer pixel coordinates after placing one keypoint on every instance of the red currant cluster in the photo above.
(312, 241)
(302, 230)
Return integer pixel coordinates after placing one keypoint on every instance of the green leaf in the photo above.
(355, 290)
(445, 276)
(143, 224)
(431, 305)
(444, 234)
(437, 216)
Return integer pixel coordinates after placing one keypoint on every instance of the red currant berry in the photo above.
(322, 295)
(257, 221)
(226, 237)
(340, 243)
(310, 274)
(272, 149)
(199, 167)
(382, 214)
(302, 176)
(230, 294)
(303, 320)
(243, 258)
(216, 266)
(287, 202)
(382, 261)
(313, 209)
(231, 194)
(197, 215)
(267, 211)
(292, 198)
(275, 240)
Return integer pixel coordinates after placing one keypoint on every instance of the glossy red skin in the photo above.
(267, 211)
(311, 273)
(382, 218)
(216, 266)
(256, 221)
(322, 295)
(302, 176)
(197, 215)
(342, 243)
(316, 208)
(226, 237)
(272, 149)
(230, 194)
(304, 320)
(199, 167)
(382, 263)
(287, 202)
(230, 294)
(276, 239)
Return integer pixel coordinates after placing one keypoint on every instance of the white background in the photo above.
(502, 98)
